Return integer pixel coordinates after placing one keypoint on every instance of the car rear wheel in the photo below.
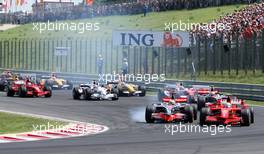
(203, 114)
(252, 120)
(115, 97)
(87, 94)
(195, 110)
(245, 113)
(22, 91)
(10, 92)
(48, 89)
(143, 91)
(148, 114)
(189, 114)
(75, 93)
(201, 102)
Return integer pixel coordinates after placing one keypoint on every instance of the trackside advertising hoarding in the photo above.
(151, 39)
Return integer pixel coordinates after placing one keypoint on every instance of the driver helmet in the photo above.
(53, 75)
(172, 101)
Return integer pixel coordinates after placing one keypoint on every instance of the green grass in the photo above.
(14, 123)
(259, 103)
(153, 21)
(249, 78)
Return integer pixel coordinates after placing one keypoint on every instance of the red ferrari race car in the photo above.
(231, 111)
(170, 110)
(26, 88)
(204, 94)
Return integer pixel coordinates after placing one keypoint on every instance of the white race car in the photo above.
(94, 92)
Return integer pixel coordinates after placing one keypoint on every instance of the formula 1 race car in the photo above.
(227, 112)
(170, 110)
(203, 94)
(175, 91)
(56, 83)
(6, 78)
(127, 89)
(26, 88)
(94, 92)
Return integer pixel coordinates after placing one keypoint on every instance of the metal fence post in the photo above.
(262, 51)
(8, 53)
(76, 56)
(245, 56)
(48, 55)
(80, 55)
(140, 60)
(23, 54)
(43, 54)
(31, 53)
(39, 54)
(171, 61)
(27, 60)
(254, 53)
(1, 54)
(90, 55)
(165, 61)
(199, 54)
(222, 55)
(229, 56)
(159, 55)
(214, 55)
(206, 54)
(179, 61)
(4, 54)
(135, 59)
(111, 56)
(237, 55)
(12, 54)
(96, 56)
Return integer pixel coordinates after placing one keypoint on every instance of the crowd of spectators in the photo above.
(242, 23)
(107, 9)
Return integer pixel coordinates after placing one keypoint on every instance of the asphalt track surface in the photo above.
(128, 133)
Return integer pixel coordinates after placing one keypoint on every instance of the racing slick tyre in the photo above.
(48, 89)
(245, 113)
(10, 92)
(75, 93)
(195, 111)
(22, 91)
(143, 91)
(189, 114)
(148, 114)
(201, 102)
(87, 94)
(252, 120)
(191, 100)
(160, 95)
(2, 87)
(115, 91)
(203, 114)
(115, 97)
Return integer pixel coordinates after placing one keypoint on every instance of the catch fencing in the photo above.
(205, 56)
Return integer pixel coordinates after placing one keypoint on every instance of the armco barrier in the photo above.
(245, 91)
